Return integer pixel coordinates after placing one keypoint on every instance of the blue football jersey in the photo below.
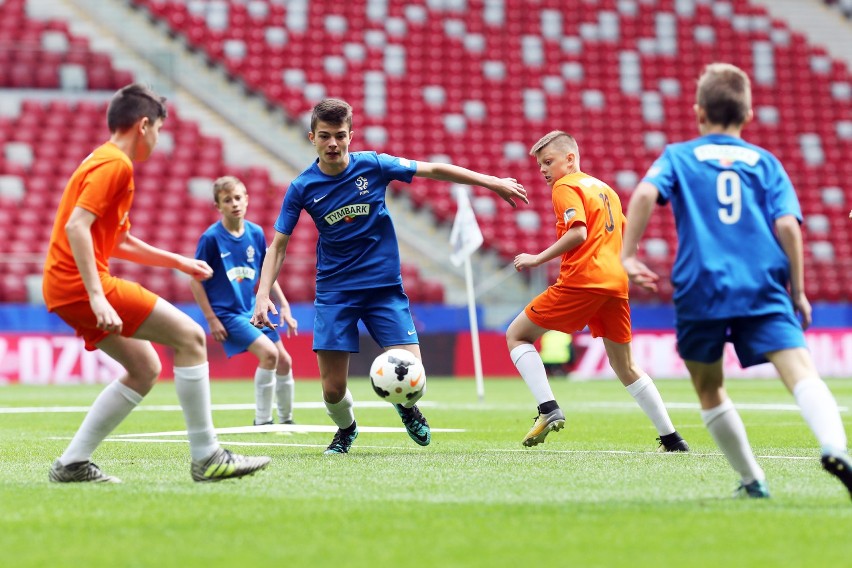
(236, 263)
(357, 247)
(726, 195)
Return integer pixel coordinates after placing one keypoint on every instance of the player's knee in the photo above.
(268, 359)
(142, 375)
(333, 393)
(285, 361)
(192, 339)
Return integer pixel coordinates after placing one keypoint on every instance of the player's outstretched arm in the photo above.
(136, 250)
(638, 213)
(507, 188)
(268, 275)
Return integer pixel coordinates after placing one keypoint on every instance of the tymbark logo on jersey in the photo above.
(347, 213)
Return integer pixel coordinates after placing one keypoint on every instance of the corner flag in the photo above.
(465, 239)
(465, 236)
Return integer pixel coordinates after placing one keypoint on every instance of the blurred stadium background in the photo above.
(474, 82)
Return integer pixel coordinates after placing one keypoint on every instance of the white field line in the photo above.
(673, 454)
(295, 428)
(482, 407)
(175, 408)
(258, 444)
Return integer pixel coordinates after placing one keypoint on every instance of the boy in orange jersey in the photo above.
(591, 290)
(121, 318)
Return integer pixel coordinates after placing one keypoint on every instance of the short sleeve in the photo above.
(661, 175)
(291, 209)
(104, 185)
(781, 194)
(395, 168)
(204, 251)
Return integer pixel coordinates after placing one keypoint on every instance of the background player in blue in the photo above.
(358, 264)
(235, 247)
(739, 248)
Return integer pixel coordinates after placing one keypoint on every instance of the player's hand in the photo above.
(640, 274)
(510, 190)
(291, 324)
(196, 268)
(217, 330)
(262, 307)
(108, 319)
(525, 260)
(803, 308)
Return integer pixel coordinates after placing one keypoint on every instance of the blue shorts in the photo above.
(241, 333)
(753, 337)
(385, 312)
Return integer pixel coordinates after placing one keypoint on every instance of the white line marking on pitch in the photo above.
(176, 408)
(631, 452)
(259, 444)
(423, 404)
(300, 428)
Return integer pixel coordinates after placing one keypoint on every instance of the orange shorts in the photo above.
(572, 309)
(131, 301)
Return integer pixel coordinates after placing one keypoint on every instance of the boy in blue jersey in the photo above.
(235, 247)
(739, 249)
(358, 264)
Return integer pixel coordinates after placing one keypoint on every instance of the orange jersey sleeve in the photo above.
(596, 263)
(102, 185)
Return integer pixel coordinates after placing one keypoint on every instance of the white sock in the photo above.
(529, 365)
(820, 411)
(264, 389)
(341, 412)
(193, 391)
(646, 395)
(728, 431)
(285, 387)
(112, 406)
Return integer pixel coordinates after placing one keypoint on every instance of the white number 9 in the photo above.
(729, 193)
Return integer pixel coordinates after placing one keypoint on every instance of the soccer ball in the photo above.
(397, 376)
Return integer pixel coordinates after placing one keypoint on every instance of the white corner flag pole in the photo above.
(465, 239)
(474, 330)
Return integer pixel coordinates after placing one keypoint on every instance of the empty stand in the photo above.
(478, 82)
(475, 83)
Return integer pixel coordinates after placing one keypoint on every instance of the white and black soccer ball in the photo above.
(397, 376)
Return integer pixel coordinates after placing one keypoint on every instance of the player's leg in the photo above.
(796, 368)
(334, 371)
(242, 337)
(520, 336)
(726, 427)
(133, 304)
(171, 327)
(388, 319)
(335, 337)
(557, 309)
(109, 409)
(285, 385)
(644, 391)
(266, 353)
(612, 322)
(701, 345)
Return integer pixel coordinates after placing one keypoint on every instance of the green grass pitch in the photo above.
(596, 494)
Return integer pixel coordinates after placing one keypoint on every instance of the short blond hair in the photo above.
(562, 140)
(724, 92)
(224, 183)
